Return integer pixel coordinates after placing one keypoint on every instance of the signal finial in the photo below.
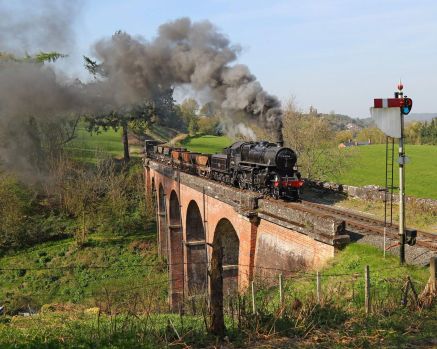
(400, 85)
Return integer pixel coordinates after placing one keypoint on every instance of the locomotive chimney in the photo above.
(279, 137)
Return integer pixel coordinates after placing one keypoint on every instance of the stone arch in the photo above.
(226, 236)
(162, 222)
(176, 255)
(196, 250)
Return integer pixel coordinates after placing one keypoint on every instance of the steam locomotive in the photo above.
(264, 167)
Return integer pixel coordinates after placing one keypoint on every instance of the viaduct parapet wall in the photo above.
(258, 236)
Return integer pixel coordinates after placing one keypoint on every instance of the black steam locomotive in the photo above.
(265, 167)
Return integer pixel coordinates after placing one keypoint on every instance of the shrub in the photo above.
(15, 206)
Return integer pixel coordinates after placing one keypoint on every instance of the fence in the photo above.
(271, 290)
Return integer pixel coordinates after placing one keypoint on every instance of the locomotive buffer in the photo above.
(388, 115)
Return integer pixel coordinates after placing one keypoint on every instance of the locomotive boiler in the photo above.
(260, 166)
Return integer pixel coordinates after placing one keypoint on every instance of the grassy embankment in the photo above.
(60, 271)
(339, 322)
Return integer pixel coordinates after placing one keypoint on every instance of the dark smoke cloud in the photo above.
(28, 26)
(33, 96)
(30, 98)
(186, 52)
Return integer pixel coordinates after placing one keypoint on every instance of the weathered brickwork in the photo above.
(194, 213)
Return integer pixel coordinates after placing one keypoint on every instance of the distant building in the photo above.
(352, 127)
(351, 143)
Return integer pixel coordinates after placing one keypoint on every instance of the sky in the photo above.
(335, 55)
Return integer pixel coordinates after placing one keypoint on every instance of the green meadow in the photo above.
(207, 143)
(367, 166)
(89, 147)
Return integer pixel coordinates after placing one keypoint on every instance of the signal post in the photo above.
(389, 116)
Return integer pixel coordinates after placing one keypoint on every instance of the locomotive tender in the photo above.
(265, 167)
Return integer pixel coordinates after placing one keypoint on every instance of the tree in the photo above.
(314, 141)
(193, 126)
(344, 136)
(375, 135)
(138, 115)
(428, 132)
(189, 108)
(412, 132)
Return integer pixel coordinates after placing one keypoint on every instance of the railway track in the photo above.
(362, 224)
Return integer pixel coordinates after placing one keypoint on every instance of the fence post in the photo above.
(318, 287)
(367, 289)
(433, 272)
(281, 291)
(253, 297)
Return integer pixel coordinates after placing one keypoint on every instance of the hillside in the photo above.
(420, 117)
(341, 122)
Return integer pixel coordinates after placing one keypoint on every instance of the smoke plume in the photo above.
(186, 52)
(38, 25)
(35, 100)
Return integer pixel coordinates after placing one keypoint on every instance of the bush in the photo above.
(15, 205)
(208, 125)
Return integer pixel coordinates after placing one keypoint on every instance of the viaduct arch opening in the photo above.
(162, 222)
(226, 237)
(176, 257)
(196, 250)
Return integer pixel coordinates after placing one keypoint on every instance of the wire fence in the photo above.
(265, 288)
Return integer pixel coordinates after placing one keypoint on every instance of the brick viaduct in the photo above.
(258, 236)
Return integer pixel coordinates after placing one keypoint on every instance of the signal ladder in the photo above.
(389, 187)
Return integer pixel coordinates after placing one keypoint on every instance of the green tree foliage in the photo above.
(108, 198)
(374, 134)
(189, 108)
(188, 111)
(314, 141)
(344, 136)
(412, 132)
(428, 132)
(208, 125)
(15, 205)
(193, 126)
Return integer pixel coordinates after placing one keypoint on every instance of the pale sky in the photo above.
(336, 55)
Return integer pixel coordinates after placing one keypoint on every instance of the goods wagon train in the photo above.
(264, 167)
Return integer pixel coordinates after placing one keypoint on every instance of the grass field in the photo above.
(61, 272)
(368, 167)
(207, 144)
(89, 147)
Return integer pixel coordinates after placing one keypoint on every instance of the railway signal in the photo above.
(388, 114)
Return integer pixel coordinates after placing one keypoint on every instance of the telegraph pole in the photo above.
(401, 183)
